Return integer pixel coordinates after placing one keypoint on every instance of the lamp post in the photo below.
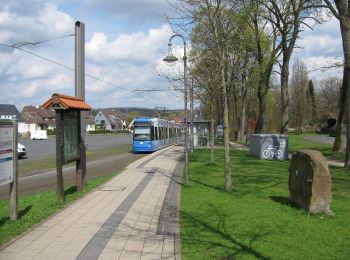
(171, 58)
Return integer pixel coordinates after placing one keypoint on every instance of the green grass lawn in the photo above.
(35, 208)
(255, 220)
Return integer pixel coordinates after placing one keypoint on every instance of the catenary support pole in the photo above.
(80, 92)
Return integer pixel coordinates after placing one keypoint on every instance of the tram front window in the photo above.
(142, 134)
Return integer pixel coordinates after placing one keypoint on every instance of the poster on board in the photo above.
(6, 153)
(71, 138)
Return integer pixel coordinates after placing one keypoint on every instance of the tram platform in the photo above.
(133, 216)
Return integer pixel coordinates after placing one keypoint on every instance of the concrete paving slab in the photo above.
(110, 223)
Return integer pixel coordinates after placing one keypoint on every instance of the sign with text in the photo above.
(6, 152)
(71, 137)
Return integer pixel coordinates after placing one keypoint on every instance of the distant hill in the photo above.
(147, 112)
(143, 111)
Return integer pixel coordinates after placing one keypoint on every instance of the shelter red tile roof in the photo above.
(66, 102)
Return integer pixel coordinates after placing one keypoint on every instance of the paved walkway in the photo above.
(133, 216)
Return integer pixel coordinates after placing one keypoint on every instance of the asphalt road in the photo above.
(40, 149)
(321, 138)
(47, 180)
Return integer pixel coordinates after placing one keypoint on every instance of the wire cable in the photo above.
(87, 75)
(20, 44)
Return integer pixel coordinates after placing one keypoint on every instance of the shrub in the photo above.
(51, 131)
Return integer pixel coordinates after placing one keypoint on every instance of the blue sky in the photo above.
(125, 43)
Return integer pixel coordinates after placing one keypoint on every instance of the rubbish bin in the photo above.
(269, 146)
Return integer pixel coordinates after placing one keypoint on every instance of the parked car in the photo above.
(21, 150)
(332, 131)
(38, 135)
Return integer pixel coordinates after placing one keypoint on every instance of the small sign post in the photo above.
(9, 162)
(14, 183)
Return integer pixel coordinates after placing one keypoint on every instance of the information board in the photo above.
(6, 152)
(71, 137)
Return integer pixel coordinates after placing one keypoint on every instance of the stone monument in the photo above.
(310, 181)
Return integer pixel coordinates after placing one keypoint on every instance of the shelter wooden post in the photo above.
(81, 162)
(59, 155)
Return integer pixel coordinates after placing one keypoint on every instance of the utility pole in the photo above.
(80, 92)
(171, 58)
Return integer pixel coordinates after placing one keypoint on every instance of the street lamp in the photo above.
(169, 59)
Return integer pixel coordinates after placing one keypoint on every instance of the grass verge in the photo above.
(35, 208)
(255, 220)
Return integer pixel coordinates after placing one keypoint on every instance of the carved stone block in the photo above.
(310, 181)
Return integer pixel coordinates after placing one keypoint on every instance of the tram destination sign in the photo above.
(71, 136)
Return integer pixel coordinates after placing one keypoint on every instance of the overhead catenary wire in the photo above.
(20, 44)
(72, 69)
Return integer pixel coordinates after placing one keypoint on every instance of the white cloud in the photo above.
(36, 70)
(134, 11)
(325, 44)
(46, 22)
(135, 47)
(129, 60)
(60, 82)
(54, 20)
(320, 47)
(30, 91)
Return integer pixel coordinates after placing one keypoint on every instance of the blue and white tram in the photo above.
(152, 134)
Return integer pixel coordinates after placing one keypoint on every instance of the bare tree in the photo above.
(327, 94)
(288, 18)
(300, 109)
(341, 10)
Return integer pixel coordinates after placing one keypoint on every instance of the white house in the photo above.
(38, 118)
(110, 120)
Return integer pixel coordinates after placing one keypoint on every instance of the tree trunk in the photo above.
(285, 95)
(337, 145)
(243, 119)
(228, 179)
(346, 92)
(262, 107)
(345, 32)
(212, 135)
